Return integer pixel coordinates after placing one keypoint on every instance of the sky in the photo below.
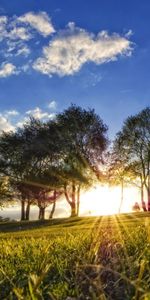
(92, 53)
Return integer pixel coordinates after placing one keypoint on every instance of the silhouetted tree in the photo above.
(133, 143)
(84, 142)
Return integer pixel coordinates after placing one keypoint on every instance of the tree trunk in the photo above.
(73, 202)
(28, 210)
(78, 200)
(22, 209)
(122, 190)
(142, 198)
(41, 213)
(53, 206)
(148, 196)
(52, 210)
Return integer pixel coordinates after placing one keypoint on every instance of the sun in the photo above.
(105, 200)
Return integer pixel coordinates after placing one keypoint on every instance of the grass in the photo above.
(80, 258)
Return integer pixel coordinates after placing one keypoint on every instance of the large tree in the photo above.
(133, 143)
(64, 153)
(18, 162)
(84, 141)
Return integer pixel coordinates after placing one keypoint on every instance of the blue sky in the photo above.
(92, 53)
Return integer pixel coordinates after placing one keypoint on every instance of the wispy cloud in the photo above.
(23, 50)
(16, 32)
(3, 23)
(11, 113)
(52, 104)
(7, 69)
(73, 47)
(41, 22)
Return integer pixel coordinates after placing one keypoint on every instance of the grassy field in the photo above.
(81, 258)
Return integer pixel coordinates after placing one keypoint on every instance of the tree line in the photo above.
(44, 161)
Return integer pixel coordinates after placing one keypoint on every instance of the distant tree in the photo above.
(133, 143)
(136, 207)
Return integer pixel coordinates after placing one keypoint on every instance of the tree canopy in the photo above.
(62, 155)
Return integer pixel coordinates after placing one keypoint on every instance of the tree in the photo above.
(133, 143)
(116, 174)
(65, 153)
(84, 141)
(18, 162)
(137, 179)
(136, 207)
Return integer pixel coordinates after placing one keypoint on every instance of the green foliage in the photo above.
(5, 191)
(132, 150)
(84, 258)
(60, 153)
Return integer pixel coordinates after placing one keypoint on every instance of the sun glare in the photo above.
(105, 200)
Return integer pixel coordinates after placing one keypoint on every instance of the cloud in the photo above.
(21, 33)
(23, 50)
(12, 113)
(12, 119)
(16, 48)
(7, 69)
(71, 48)
(41, 22)
(37, 113)
(17, 31)
(5, 124)
(3, 22)
(52, 105)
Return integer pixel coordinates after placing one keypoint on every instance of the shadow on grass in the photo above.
(86, 222)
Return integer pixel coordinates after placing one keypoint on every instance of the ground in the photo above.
(78, 258)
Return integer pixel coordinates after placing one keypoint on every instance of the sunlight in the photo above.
(105, 200)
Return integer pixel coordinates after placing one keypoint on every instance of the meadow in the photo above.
(76, 258)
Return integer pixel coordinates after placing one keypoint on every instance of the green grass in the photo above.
(81, 258)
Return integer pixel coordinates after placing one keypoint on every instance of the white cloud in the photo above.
(12, 113)
(21, 33)
(10, 30)
(37, 113)
(3, 22)
(7, 69)
(129, 33)
(23, 50)
(16, 48)
(52, 105)
(52, 116)
(5, 124)
(41, 22)
(15, 31)
(22, 122)
(19, 120)
(73, 47)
